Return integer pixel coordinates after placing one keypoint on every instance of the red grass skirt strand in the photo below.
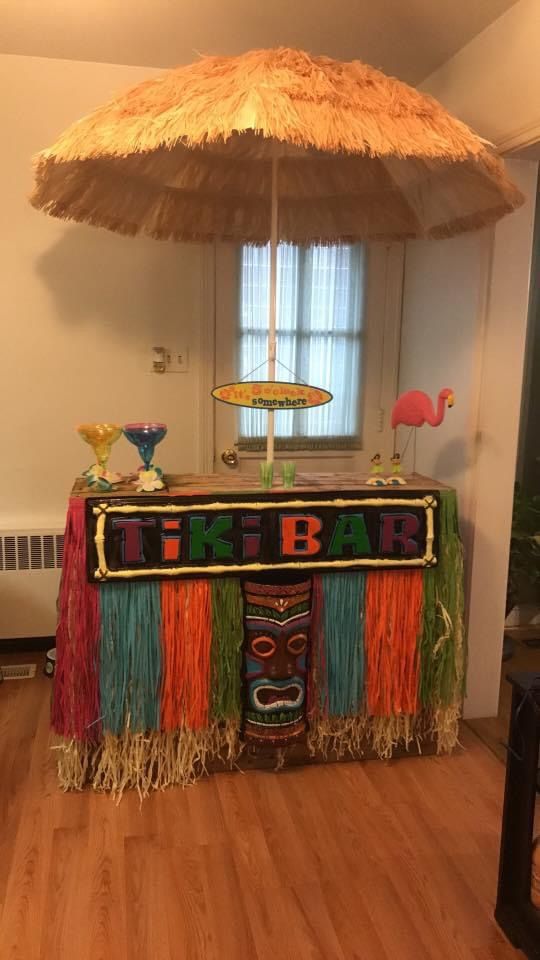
(317, 687)
(75, 704)
(186, 637)
(393, 623)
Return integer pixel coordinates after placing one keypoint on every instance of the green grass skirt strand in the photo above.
(442, 644)
(227, 640)
(343, 624)
(130, 656)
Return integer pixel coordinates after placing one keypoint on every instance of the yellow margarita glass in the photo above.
(101, 437)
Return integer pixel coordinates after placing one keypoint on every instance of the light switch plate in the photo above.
(179, 360)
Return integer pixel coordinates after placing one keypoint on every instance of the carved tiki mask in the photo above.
(276, 620)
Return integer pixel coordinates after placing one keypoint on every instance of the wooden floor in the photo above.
(359, 861)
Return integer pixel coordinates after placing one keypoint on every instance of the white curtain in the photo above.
(319, 335)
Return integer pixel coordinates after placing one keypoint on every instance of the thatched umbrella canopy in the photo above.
(188, 156)
(212, 150)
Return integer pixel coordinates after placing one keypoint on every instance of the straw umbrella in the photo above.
(274, 145)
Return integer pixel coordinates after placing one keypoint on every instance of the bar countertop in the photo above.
(193, 484)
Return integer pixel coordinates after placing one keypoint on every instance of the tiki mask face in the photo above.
(276, 618)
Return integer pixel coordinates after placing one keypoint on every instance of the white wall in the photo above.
(442, 306)
(493, 83)
(464, 325)
(497, 442)
(81, 310)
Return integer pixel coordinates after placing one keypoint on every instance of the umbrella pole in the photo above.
(273, 303)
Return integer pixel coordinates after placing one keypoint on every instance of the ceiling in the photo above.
(407, 38)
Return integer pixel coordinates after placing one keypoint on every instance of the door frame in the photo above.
(207, 359)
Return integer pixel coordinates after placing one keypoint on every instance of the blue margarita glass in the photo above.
(145, 436)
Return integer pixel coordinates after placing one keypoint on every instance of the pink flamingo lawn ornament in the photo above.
(414, 408)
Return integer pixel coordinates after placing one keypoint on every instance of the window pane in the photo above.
(319, 329)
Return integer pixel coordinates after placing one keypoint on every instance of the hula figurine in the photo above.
(376, 480)
(396, 480)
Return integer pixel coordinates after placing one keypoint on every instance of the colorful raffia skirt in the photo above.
(157, 682)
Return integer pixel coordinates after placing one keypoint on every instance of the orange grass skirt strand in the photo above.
(186, 637)
(393, 623)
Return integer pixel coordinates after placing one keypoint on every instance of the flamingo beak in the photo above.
(451, 400)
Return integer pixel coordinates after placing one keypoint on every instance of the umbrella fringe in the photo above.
(191, 227)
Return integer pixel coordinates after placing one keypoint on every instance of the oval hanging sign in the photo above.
(272, 395)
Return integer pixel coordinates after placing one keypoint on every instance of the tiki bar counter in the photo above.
(213, 624)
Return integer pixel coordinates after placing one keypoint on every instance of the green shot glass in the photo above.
(288, 473)
(266, 473)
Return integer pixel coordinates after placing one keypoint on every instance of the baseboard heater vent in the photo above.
(31, 551)
(30, 571)
(19, 671)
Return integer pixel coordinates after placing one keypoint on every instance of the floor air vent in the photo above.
(19, 671)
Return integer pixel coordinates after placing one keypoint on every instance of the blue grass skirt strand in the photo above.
(130, 656)
(343, 615)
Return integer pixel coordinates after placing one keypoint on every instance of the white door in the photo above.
(373, 347)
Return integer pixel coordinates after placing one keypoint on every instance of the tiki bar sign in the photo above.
(162, 538)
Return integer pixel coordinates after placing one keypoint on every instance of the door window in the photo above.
(320, 332)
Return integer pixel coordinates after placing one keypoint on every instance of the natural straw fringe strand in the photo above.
(386, 733)
(75, 760)
(338, 737)
(145, 761)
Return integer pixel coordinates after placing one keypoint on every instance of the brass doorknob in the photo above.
(230, 457)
